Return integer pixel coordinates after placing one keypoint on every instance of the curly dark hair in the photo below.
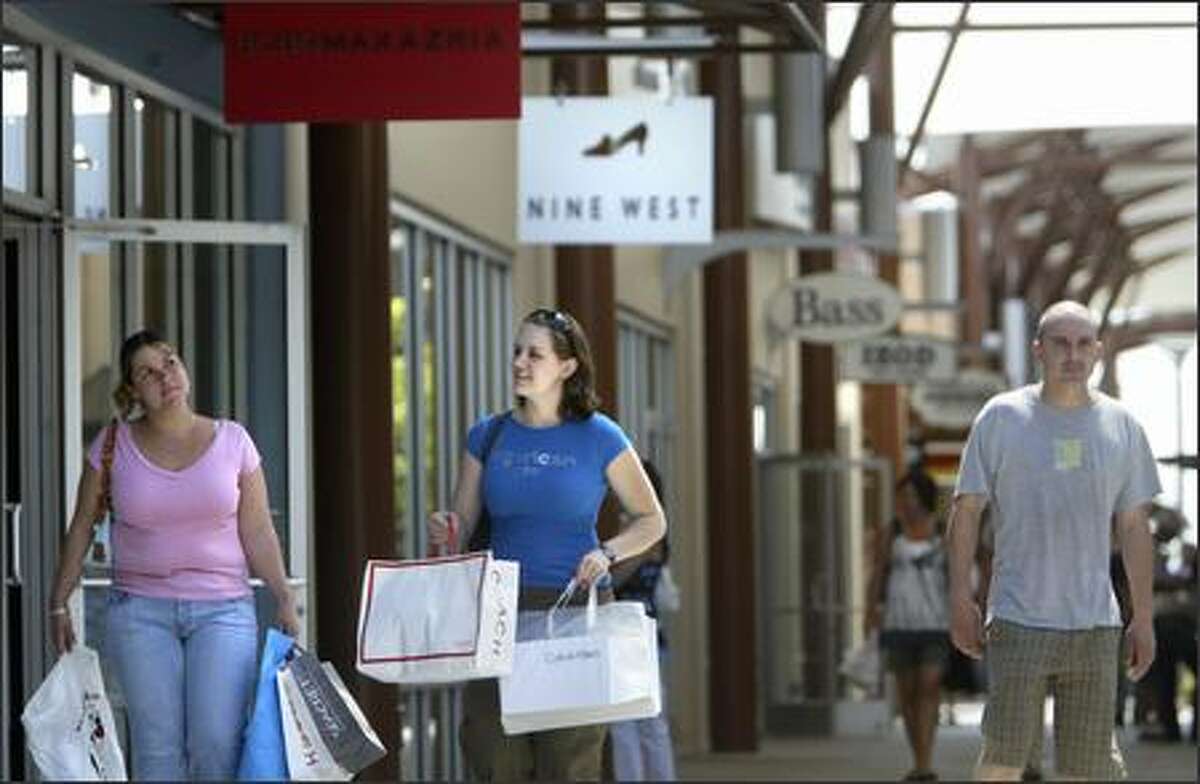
(579, 400)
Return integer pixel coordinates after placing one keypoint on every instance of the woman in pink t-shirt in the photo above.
(190, 523)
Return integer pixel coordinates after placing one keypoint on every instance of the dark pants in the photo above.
(1176, 637)
(568, 754)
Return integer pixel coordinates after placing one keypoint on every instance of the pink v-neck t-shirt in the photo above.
(175, 533)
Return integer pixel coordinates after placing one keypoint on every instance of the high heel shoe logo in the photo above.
(606, 146)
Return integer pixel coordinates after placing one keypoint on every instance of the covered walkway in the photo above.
(885, 758)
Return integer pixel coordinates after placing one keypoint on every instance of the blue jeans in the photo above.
(641, 748)
(187, 669)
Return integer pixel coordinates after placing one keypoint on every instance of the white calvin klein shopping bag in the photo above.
(573, 667)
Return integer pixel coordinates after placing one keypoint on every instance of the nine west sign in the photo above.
(831, 307)
(615, 171)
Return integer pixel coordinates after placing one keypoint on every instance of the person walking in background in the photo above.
(641, 748)
(1055, 461)
(1174, 622)
(541, 472)
(190, 523)
(908, 581)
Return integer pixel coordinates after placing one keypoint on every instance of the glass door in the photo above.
(28, 493)
(232, 296)
(11, 761)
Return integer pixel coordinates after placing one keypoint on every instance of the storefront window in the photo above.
(211, 279)
(20, 126)
(154, 178)
(95, 123)
(401, 240)
(644, 395)
(155, 195)
(450, 336)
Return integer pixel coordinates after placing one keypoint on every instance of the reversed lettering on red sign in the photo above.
(335, 62)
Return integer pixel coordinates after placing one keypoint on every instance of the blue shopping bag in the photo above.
(263, 754)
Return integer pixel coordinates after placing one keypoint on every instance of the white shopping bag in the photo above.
(861, 666)
(69, 724)
(325, 734)
(438, 620)
(574, 667)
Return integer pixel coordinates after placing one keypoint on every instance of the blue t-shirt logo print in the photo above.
(543, 488)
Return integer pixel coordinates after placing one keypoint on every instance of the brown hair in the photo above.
(123, 394)
(579, 400)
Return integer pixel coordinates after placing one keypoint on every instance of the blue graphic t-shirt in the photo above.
(543, 488)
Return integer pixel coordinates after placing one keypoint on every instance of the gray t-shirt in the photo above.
(1054, 479)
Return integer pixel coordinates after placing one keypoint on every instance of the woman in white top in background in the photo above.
(910, 582)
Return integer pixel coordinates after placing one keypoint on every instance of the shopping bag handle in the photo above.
(451, 545)
(564, 597)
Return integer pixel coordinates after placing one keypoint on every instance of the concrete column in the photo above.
(733, 687)
(352, 396)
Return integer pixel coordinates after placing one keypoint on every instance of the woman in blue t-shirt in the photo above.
(542, 471)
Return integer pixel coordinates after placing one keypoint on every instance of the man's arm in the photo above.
(1137, 552)
(962, 539)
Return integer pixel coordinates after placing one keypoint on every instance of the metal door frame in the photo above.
(37, 417)
(831, 467)
(292, 238)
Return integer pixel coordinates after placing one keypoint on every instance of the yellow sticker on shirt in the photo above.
(1068, 454)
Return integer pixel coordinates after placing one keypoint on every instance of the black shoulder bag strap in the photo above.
(481, 537)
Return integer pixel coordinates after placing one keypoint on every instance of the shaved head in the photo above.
(1066, 310)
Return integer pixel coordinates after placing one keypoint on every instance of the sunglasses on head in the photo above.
(552, 319)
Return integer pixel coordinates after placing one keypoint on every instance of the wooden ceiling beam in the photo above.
(1129, 198)
(799, 24)
(870, 27)
(1144, 229)
(919, 132)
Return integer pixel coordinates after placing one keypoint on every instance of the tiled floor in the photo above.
(885, 757)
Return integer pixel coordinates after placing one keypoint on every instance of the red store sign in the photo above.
(345, 62)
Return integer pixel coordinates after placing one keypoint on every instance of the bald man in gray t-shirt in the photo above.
(1057, 463)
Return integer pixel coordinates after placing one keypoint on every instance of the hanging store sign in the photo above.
(831, 307)
(347, 62)
(614, 171)
(782, 198)
(899, 360)
(955, 403)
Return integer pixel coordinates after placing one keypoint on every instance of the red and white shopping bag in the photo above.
(438, 620)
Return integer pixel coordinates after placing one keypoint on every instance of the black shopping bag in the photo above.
(325, 733)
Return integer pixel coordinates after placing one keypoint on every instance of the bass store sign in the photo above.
(615, 171)
(832, 307)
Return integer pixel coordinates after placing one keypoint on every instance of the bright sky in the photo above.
(1040, 79)
(1148, 387)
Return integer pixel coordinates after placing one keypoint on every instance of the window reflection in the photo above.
(429, 386)
(401, 242)
(154, 196)
(19, 124)
(99, 337)
(94, 137)
(153, 132)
